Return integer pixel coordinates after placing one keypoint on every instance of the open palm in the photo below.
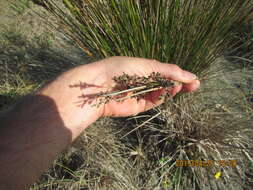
(142, 67)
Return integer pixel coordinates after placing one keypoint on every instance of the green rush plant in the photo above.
(212, 124)
(190, 34)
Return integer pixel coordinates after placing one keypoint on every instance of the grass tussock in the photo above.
(190, 34)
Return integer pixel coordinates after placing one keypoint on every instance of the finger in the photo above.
(190, 87)
(152, 100)
(173, 72)
(153, 97)
(175, 90)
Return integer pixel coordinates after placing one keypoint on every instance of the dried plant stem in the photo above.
(123, 91)
(138, 93)
(145, 122)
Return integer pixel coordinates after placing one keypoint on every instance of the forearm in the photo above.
(31, 135)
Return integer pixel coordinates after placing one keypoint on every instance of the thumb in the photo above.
(174, 72)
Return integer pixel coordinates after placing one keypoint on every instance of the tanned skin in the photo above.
(46, 122)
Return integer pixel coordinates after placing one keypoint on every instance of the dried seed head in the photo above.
(141, 86)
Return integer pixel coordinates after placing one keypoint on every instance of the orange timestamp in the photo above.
(205, 163)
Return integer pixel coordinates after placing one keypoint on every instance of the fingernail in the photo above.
(189, 75)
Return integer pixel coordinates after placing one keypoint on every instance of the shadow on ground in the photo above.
(25, 62)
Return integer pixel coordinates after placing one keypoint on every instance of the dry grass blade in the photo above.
(144, 123)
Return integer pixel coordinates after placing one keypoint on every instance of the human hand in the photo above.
(143, 67)
(93, 78)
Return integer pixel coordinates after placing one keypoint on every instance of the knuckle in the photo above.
(175, 67)
(154, 61)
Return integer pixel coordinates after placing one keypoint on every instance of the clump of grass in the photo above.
(190, 34)
(202, 126)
